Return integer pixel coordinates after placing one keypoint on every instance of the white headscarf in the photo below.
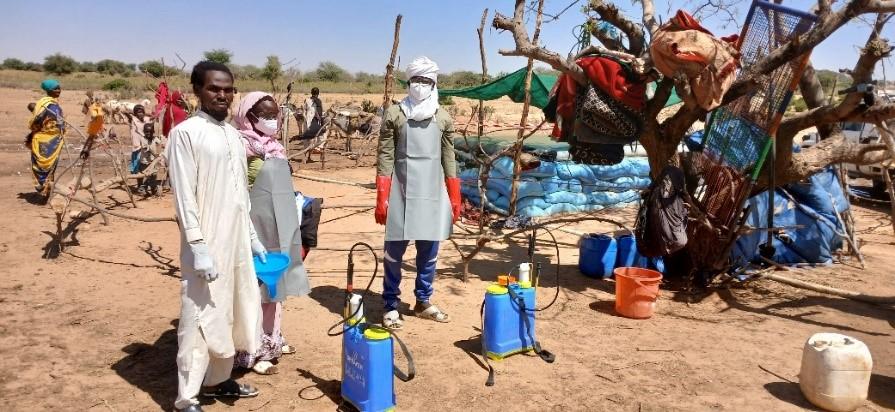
(421, 109)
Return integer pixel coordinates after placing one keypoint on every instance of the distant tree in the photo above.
(87, 67)
(462, 78)
(60, 64)
(113, 67)
(14, 64)
(156, 69)
(367, 78)
(272, 71)
(246, 72)
(221, 56)
(330, 72)
(34, 67)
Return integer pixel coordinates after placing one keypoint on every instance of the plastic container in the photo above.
(636, 291)
(626, 255)
(524, 272)
(597, 256)
(505, 333)
(835, 372)
(270, 272)
(367, 368)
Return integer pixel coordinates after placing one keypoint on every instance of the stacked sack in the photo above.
(561, 187)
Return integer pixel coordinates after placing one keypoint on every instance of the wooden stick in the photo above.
(821, 288)
(887, 177)
(339, 182)
(93, 189)
(481, 33)
(117, 167)
(517, 166)
(389, 69)
(103, 210)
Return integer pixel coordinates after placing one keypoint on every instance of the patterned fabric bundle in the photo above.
(597, 120)
(683, 45)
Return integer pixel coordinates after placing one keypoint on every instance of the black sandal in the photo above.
(231, 389)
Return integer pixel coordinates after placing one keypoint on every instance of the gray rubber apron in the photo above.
(275, 217)
(418, 204)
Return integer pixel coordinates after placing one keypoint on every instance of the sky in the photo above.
(356, 35)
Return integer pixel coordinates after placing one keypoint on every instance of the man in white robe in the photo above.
(220, 299)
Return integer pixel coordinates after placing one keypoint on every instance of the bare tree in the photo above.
(662, 138)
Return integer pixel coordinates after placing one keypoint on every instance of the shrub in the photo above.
(488, 111)
(34, 67)
(113, 67)
(330, 72)
(87, 67)
(368, 106)
(59, 64)
(14, 64)
(117, 85)
(445, 100)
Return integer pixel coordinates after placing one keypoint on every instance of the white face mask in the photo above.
(419, 91)
(267, 126)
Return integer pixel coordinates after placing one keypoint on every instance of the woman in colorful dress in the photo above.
(48, 133)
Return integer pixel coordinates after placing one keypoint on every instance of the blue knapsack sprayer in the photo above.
(508, 312)
(367, 357)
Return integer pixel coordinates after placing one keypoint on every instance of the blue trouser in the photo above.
(426, 259)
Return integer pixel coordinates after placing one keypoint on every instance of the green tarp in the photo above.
(513, 85)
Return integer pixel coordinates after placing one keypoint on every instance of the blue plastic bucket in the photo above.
(597, 256)
(270, 272)
(627, 251)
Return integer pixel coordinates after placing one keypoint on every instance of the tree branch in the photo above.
(610, 42)
(610, 13)
(804, 43)
(880, 6)
(833, 150)
(649, 17)
(524, 46)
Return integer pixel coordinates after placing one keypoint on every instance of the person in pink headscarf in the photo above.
(275, 216)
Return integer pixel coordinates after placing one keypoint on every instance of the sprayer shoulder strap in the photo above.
(544, 354)
(411, 365)
(490, 380)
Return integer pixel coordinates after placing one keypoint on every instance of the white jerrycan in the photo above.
(835, 372)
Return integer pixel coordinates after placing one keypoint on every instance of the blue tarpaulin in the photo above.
(807, 212)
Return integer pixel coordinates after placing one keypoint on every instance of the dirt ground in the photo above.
(95, 328)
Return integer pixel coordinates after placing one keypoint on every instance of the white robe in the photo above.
(207, 170)
(310, 112)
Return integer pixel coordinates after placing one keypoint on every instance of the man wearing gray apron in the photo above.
(417, 189)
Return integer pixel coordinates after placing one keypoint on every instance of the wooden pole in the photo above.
(821, 288)
(93, 189)
(887, 177)
(517, 165)
(481, 32)
(390, 68)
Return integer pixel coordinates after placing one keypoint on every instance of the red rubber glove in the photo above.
(453, 188)
(383, 188)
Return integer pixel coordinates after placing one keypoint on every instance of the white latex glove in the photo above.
(259, 250)
(202, 262)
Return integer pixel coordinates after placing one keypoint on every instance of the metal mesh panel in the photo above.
(738, 136)
(735, 142)
(739, 132)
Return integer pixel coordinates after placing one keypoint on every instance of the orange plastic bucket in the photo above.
(636, 291)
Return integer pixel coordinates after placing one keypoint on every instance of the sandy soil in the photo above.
(94, 328)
